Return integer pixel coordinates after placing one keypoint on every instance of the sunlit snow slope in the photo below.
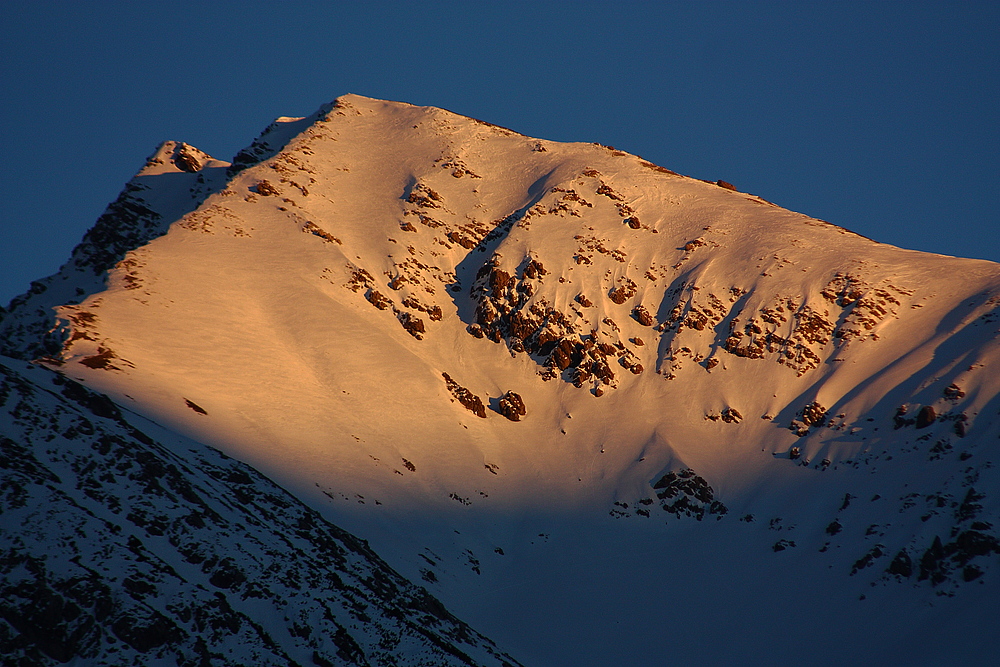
(604, 410)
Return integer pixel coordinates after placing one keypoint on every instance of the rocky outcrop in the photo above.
(683, 492)
(470, 401)
(511, 406)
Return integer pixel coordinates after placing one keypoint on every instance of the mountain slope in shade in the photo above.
(598, 407)
(117, 550)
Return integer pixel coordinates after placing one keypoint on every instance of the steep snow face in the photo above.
(119, 550)
(484, 351)
(174, 180)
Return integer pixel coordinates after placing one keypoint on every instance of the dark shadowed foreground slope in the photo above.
(113, 550)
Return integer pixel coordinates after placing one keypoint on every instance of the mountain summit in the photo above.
(601, 410)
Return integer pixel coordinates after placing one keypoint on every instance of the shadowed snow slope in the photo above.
(121, 550)
(605, 412)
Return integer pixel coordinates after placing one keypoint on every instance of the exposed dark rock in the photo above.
(900, 420)
(939, 560)
(413, 324)
(685, 492)
(970, 506)
(642, 316)
(622, 293)
(901, 565)
(813, 414)
(471, 402)
(316, 230)
(511, 406)
(782, 544)
(953, 392)
(185, 160)
(868, 559)
(265, 188)
(534, 269)
(726, 185)
(377, 299)
(731, 416)
(926, 416)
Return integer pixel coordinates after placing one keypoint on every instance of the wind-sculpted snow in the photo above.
(118, 551)
(509, 362)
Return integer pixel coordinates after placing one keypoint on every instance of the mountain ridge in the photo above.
(361, 311)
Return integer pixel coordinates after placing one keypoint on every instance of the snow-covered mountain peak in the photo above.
(178, 157)
(459, 341)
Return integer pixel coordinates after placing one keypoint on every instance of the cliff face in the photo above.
(475, 348)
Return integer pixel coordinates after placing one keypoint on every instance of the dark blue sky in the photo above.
(879, 116)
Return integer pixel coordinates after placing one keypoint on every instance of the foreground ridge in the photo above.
(117, 550)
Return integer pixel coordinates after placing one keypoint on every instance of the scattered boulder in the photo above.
(265, 188)
(618, 295)
(781, 545)
(534, 269)
(731, 416)
(511, 406)
(953, 392)
(900, 419)
(926, 416)
(642, 316)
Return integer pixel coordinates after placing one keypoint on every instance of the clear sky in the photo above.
(879, 116)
